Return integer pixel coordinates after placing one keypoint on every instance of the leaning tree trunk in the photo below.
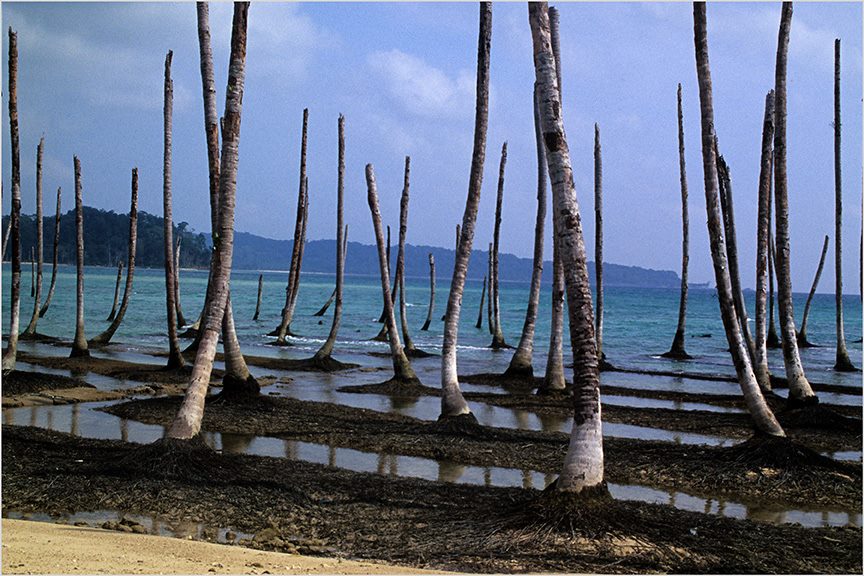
(763, 262)
(32, 273)
(773, 340)
(400, 260)
(456, 249)
(175, 358)
(187, 422)
(678, 351)
(106, 336)
(598, 244)
(802, 333)
(53, 284)
(116, 292)
(431, 292)
(490, 315)
(37, 303)
(497, 334)
(763, 418)
(258, 301)
(6, 238)
(79, 344)
(11, 353)
(521, 364)
(800, 392)
(452, 402)
(583, 465)
(326, 306)
(479, 323)
(402, 371)
(843, 363)
(181, 319)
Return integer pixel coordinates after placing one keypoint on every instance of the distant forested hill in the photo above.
(106, 236)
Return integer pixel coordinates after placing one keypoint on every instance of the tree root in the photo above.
(460, 425)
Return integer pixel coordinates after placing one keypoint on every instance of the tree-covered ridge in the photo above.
(106, 236)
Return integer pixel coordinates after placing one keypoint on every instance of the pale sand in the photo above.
(44, 548)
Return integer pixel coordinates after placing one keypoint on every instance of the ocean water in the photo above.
(639, 323)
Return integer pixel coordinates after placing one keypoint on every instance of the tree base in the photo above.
(773, 341)
(36, 337)
(321, 364)
(418, 353)
(500, 345)
(288, 332)
(843, 364)
(190, 332)
(803, 342)
(459, 425)
(676, 354)
(605, 366)
(779, 453)
(191, 461)
(553, 392)
(280, 343)
(589, 513)
(236, 390)
(78, 352)
(381, 337)
(819, 417)
(795, 403)
(426, 325)
(519, 372)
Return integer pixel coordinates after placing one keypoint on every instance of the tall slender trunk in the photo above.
(53, 284)
(498, 334)
(175, 358)
(323, 310)
(116, 292)
(402, 370)
(799, 388)
(11, 352)
(106, 336)
(764, 268)
(583, 465)
(32, 272)
(400, 257)
(6, 238)
(326, 349)
(598, 243)
(522, 361)
(431, 292)
(773, 340)
(393, 290)
(181, 319)
(455, 250)
(258, 300)
(843, 363)
(678, 351)
(452, 402)
(490, 314)
(763, 418)
(479, 323)
(187, 422)
(802, 333)
(728, 210)
(79, 344)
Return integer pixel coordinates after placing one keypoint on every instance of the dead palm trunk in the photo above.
(843, 363)
(79, 344)
(258, 301)
(521, 364)
(763, 261)
(583, 465)
(6, 237)
(326, 306)
(400, 259)
(800, 392)
(678, 351)
(105, 337)
(181, 319)
(802, 333)
(453, 404)
(32, 273)
(497, 334)
(490, 314)
(431, 292)
(175, 358)
(763, 418)
(553, 379)
(53, 284)
(479, 323)
(402, 371)
(187, 422)
(116, 292)
(382, 334)
(773, 340)
(598, 245)
(11, 353)
(455, 250)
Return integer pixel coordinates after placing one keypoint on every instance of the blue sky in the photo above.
(90, 79)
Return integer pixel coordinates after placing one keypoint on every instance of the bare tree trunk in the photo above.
(800, 392)
(175, 358)
(53, 284)
(400, 259)
(11, 352)
(678, 351)
(79, 344)
(553, 380)
(402, 371)
(521, 364)
(32, 273)
(843, 363)
(497, 334)
(6, 238)
(479, 323)
(326, 306)
(598, 245)
(187, 422)
(490, 315)
(802, 333)
(773, 340)
(258, 301)
(116, 292)
(181, 319)
(763, 418)
(453, 404)
(106, 336)
(764, 267)
(431, 292)
(382, 334)
(238, 383)
(583, 465)
(728, 209)
(458, 236)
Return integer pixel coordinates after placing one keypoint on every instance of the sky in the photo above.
(403, 74)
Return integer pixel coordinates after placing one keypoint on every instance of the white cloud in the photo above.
(422, 89)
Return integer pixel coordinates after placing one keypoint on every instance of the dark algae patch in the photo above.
(19, 382)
